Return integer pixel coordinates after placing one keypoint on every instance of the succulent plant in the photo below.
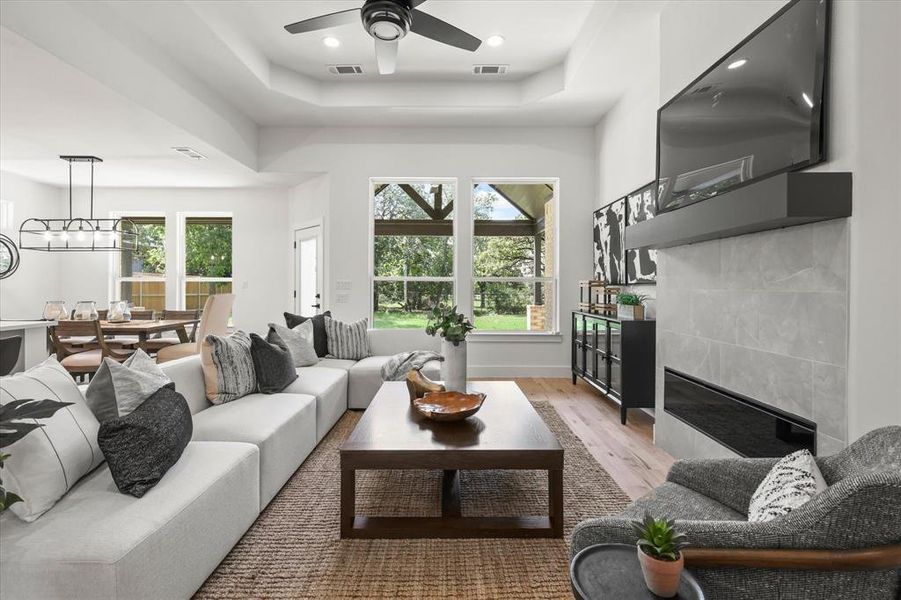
(630, 299)
(449, 324)
(658, 538)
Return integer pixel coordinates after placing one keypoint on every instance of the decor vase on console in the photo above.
(453, 327)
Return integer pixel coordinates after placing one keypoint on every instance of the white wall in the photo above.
(22, 295)
(350, 157)
(261, 247)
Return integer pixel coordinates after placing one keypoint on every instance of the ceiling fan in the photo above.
(387, 21)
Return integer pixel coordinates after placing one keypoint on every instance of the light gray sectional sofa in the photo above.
(98, 543)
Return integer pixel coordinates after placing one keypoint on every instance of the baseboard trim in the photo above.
(519, 371)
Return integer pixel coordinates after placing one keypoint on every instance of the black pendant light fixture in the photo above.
(77, 234)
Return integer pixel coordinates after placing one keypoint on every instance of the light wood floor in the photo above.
(627, 452)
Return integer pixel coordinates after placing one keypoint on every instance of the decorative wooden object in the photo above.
(449, 406)
(866, 559)
(419, 385)
(596, 297)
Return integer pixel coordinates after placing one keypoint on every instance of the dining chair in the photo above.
(77, 360)
(10, 348)
(160, 341)
(213, 321)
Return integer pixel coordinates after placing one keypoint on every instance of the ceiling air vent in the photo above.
(490, 69)
(189, 152)
(345, 69)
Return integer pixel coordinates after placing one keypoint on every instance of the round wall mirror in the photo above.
(9, 257)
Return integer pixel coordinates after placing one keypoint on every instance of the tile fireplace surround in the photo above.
(764, 315)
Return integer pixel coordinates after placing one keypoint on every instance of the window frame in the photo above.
(182, 253)
(115, 259)
(554, 330)
(373, 279)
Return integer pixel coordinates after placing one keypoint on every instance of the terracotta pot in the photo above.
(661, 576)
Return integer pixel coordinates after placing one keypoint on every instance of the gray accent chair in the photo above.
(709, 498)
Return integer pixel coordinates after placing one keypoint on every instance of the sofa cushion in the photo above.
(227, 367)
(299, 342)
(282, 426)
(329, 387)
(187, 375)
(337, 363)
(320, 337)
(98, 543)
(49, 460)
(142, 446)
(273, 364)
(677, 502)
(116, 389)
(366, 379)
(348, 340)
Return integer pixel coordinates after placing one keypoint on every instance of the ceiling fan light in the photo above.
(495, 40)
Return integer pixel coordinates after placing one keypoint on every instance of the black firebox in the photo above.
(742, 424)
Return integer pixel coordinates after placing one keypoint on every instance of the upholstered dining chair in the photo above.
(158, 342)
(844, 543)
(213, 321)
(78, 360)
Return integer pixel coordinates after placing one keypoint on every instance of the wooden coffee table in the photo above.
(506, 433)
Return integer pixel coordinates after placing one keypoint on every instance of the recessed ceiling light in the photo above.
(807, 99)
(495, 40)
(331, 42)
(737, 63)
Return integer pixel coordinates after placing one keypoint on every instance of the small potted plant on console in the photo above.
(660, 554)
(630, 306)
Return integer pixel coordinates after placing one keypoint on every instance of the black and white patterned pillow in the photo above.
(227, 367)
(790, 484)
(347, 340)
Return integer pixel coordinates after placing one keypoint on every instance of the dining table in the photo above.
(143, 329)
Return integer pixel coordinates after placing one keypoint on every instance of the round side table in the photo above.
(612, 571)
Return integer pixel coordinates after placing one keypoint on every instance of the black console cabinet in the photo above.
(616, 357)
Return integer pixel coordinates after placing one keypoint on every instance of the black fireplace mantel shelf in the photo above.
(779, 201)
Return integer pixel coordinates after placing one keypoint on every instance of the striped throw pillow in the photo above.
(790, 484)
(227, 367)
(347, 340)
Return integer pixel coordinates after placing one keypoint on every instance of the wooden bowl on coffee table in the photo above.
(449, 406)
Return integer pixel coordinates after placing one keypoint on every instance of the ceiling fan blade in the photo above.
(386, 56)
(435, 29)
(325, 21)
(415, 3)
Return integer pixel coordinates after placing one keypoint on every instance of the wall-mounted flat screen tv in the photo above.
(758, 111)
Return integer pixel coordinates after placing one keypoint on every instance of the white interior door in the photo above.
(308, 270)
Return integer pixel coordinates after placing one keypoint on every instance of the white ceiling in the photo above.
(127, 80)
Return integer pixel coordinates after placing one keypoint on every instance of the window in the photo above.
(413, 251)
(141, 277)
(208, 259)
(513, 263)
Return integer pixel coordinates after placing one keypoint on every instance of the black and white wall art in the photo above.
(641, 265)
(609, 225)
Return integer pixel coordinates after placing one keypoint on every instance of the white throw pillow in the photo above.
(298, 340)
(46, 463)
(790, 484)
(117, 389)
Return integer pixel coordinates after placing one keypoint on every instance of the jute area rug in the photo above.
(294, 549)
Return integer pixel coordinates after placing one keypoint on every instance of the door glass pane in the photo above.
(308, 276)
(406, 304)
(615, 339)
